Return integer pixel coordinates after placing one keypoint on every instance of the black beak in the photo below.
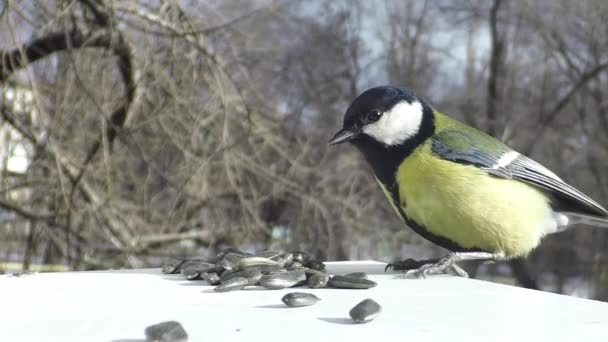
(343, 136)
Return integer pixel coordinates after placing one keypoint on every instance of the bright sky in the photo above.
(15, 151)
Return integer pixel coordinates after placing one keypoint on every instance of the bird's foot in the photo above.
(408, 264)
(423, 268)
(440, 266)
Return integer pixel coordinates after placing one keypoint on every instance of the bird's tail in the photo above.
(596, 221)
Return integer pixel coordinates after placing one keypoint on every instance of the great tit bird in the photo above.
(457, 186)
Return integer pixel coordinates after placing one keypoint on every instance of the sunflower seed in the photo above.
(270, 269)
(268, 254)
(233, 284)
(227, 273)
(296, 299)
(318, 280)
(211, 278)
(170, 331)
(285, 259)
(315, 265)
(173, 266)
(275, 281)
(192, 269)
(300, 256)
(235, 258)
(310, 272)
(252, 275)
(347, 282)
(249, 262)
(225, 264)
(295, 264)
(365, 311)
(357, 275)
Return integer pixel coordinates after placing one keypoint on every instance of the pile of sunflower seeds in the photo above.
(233, 270)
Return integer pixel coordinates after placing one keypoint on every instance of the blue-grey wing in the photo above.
(499, 160)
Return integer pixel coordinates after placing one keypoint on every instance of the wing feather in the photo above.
(499, 160)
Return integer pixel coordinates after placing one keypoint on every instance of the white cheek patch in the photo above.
(396, 125)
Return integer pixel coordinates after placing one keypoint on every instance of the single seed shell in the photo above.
(310, 272)
(192, 269)
(234, 258)
(227, 273)
(191, 274)
(173, 266)
(170, 331)
(225, 264)
(357, 275)
(268, 254)
(167, 269)
(346, 282)
(296, 299)
(270, 269)
(318, 280)
(252, 275)
(212, 278)
(365, 311)
(249, 262)
(300, 256)
(315, 265)
(285, 259)
(234, 284)
(275, 281)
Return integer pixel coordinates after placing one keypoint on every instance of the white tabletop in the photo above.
(118, 305)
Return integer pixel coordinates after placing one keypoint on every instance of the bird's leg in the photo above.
(459, 271)
(423, 268)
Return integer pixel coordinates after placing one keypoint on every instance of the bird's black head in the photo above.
(386, 124)
(385, 115)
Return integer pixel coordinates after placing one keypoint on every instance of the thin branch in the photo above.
(496, 56)
(11, 61)
(25, 213)
(124, 51)
(552, 115)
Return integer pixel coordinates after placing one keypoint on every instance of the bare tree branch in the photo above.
(42, 47)
(551, 116)
(496, 60)
(25, 213)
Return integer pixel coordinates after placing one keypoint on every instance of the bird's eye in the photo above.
(374, 115)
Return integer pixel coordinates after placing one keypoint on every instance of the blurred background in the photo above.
(135, 131)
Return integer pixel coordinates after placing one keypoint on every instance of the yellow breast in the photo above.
(470, 207)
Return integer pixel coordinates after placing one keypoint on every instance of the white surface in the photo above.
(118, 305)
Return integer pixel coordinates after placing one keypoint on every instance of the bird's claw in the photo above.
(405, 265)
(421, 269)
(427, 269)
